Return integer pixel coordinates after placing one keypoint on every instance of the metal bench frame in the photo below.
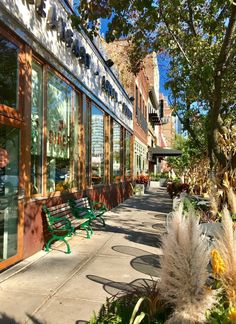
(84, 207)
(61, 224)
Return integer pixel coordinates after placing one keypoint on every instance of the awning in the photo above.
(160, 151)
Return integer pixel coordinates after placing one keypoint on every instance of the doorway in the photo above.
(12, 123)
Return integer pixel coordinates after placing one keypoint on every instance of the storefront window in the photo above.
(9, 181)
(127, 154)
(36, 129)
(97, 145)
(8, 73)
(116, 152)
(87, 123)
(60, 137)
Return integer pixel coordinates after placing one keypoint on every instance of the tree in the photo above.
(200, 38)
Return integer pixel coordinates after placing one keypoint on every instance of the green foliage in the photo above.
(200, 39)
(190, 154)
(136, 319)
(142, 305)
(154, 176)
(108, 314)
(219, 313)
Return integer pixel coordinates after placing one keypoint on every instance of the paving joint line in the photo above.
(83, 265)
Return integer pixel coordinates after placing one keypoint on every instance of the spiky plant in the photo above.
(184, 270)
(225, 245)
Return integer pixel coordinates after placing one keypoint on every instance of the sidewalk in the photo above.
(56, 288)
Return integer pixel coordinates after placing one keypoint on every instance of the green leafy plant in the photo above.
(142, 304)
(137, 319)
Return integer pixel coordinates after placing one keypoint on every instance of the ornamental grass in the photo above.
(224, 259)
(184, 270)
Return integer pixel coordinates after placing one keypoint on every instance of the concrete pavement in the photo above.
(56, 288)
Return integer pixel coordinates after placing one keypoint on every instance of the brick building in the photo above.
(138, 89)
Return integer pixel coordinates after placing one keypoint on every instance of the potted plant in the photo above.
(142, 181)
(163, 178)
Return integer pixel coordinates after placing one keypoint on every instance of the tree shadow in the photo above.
(147, 263)
(5, 319)
(117, 288)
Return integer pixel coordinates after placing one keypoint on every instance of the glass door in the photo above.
(12, 148)
(9, 184)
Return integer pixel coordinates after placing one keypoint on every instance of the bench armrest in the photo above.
(76, 211)
(97, 203)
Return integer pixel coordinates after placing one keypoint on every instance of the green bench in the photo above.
(84, 207)
(62, 223)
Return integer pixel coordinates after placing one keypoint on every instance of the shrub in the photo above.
(142, 299)
(175, 188)
(142, 179)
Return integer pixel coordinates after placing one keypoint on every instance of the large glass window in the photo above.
(116, 151)
(127, 154)
(97, 145)
(9, 181)
(36, 129)
(8, 73)
(60, 138)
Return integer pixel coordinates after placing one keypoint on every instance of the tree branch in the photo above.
(172, 34)
(190, 21)
(189, 129)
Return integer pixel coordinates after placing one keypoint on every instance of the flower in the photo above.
(142, 179)
(232, 313)
(218, 265)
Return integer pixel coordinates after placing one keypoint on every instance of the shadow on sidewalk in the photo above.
(150, 201)
(145, 262)
(117, 288)
(5, 319)
(140, 237)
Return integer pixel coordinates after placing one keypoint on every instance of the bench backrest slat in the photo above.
(59, 211)
(82, 202)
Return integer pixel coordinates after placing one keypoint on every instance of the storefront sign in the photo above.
(66, 36)
(4, 158)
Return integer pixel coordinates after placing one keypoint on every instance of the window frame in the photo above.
(75, 110)
(5, 110)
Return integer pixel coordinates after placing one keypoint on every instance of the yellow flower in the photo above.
(218, 265)
(232, 313)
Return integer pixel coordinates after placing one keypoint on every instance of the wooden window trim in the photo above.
(4, 109)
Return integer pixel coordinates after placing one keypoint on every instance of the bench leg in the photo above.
(60, 239)
(68, 247)
(101, 219)
(86, 226)
(49, 243)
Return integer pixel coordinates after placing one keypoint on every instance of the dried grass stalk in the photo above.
(226, 246)
(184, 270)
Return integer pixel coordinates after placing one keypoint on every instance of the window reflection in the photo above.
(116, 152)
(9, 181)
(127, 154)
(97, 145)
(8, 73)
(36, 129)
(59, 135)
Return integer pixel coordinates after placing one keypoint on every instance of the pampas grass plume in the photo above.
(184, 270)
(226, 246)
